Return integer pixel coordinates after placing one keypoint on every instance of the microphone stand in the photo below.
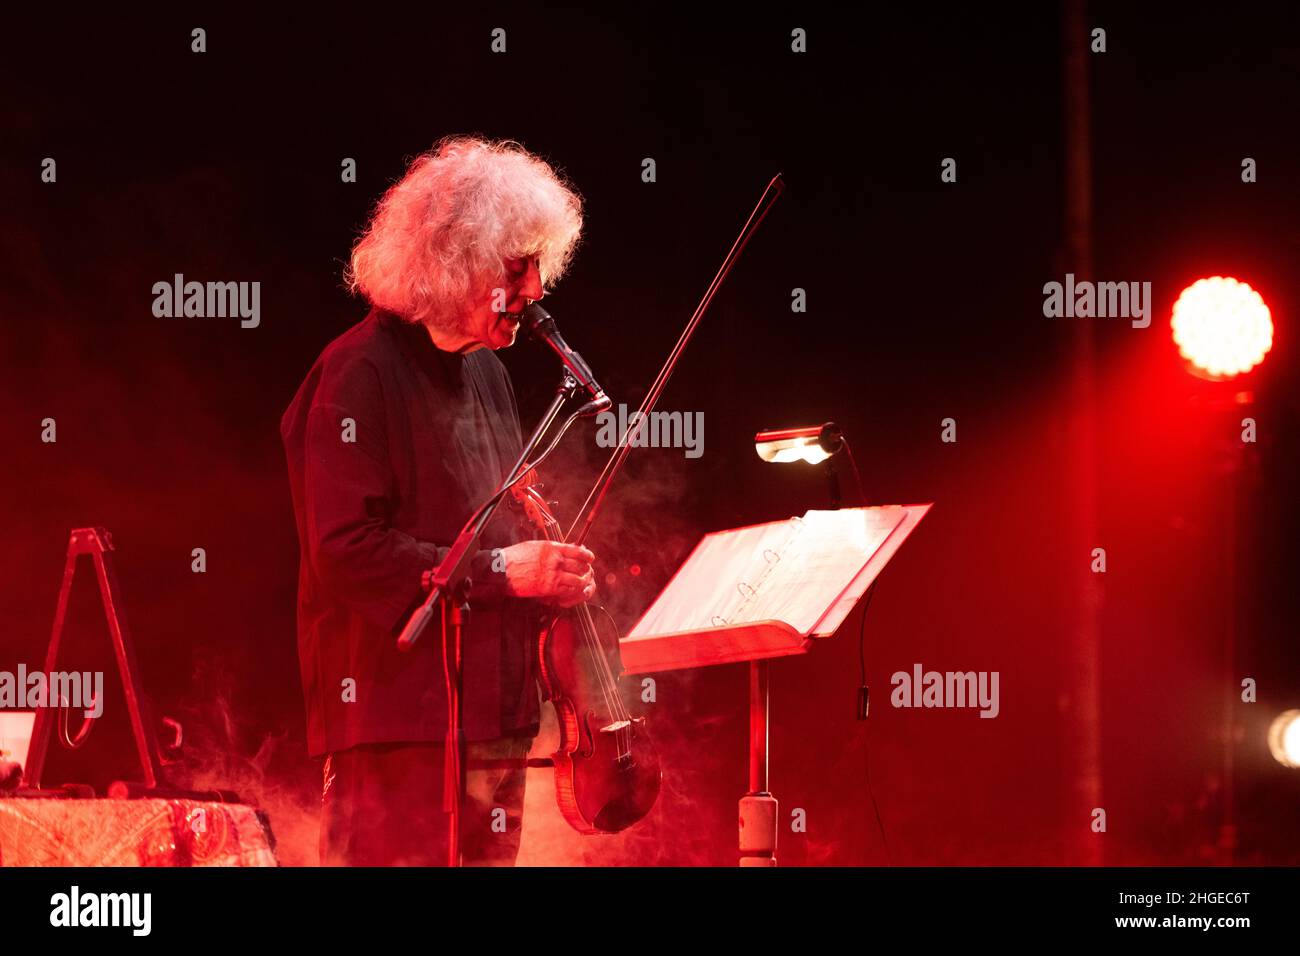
(449, 585)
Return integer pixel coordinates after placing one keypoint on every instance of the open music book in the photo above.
(767, 590)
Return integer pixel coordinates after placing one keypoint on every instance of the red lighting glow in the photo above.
(1222, 327)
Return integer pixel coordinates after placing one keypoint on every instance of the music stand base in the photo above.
(758, 812)
(758, 808)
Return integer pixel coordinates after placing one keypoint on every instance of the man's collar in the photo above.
(416, 342)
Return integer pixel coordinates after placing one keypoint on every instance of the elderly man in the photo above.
(405, 424)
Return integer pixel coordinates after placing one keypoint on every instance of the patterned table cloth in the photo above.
(105, 832)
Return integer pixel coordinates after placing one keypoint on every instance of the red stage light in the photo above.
(1222, 327)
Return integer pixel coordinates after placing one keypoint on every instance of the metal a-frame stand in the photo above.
(97, 543)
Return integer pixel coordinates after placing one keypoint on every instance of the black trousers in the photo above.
(381, 804)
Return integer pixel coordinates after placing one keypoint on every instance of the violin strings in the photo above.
(591, 639)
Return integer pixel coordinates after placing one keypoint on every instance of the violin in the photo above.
(607, 774)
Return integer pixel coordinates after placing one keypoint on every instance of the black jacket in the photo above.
(391, 444)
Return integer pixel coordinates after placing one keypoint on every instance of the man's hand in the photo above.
(550, 571)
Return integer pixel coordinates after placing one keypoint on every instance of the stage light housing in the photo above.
(1221, 327)
(813, 443)
(1284, 738)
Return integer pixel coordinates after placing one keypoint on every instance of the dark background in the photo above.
(924, 303)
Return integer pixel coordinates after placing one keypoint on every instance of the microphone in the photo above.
(539, 324)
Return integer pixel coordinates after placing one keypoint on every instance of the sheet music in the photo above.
(790, 571)
(817, 564)
(715, 582)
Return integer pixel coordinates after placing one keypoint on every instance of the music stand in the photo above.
(758, 593)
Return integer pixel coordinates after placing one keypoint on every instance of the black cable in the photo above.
(880, 824)
(862, 633)
(862, 660)
(857, 476)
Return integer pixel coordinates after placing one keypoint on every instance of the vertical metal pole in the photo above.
(453, 784)
(758, 808)
(758, 716)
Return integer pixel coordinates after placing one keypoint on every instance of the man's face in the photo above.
(486, 324)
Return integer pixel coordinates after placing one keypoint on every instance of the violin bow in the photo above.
(586, 516)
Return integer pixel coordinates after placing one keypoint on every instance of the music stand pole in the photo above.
(758, 808)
